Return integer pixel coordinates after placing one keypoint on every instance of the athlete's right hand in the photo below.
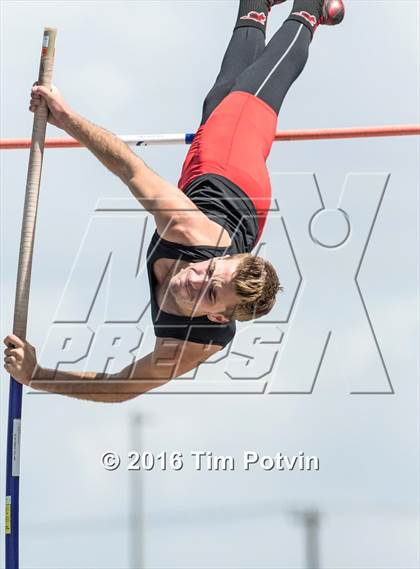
(19, 359)
(57, 106)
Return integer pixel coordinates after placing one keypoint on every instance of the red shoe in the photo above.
(332, 12)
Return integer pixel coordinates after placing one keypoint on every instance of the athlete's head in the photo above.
(238, 287)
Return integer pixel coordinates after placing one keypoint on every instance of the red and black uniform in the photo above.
(225, 172)
(240, 113)
(234, 143)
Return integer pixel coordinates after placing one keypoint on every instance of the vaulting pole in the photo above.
(22, 300)
(187, 138)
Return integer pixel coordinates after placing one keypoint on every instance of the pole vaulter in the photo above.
(202, 274)
(202, 271)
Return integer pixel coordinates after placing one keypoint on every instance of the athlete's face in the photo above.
(205, 288)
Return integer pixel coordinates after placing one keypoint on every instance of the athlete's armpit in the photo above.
(167, 203)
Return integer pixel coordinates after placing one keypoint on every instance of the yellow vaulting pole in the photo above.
(22, 299)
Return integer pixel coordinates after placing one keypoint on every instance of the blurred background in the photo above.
(332, 372)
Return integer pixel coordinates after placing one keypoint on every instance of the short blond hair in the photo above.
(256, 283)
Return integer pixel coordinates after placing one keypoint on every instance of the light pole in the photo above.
(311, 522)
(136, 505)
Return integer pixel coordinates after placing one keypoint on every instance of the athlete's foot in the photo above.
(313, 13)
(332, 12)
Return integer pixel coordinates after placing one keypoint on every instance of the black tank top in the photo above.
(226, 204)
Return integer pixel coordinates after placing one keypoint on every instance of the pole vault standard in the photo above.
(22, 300)
(288, 135)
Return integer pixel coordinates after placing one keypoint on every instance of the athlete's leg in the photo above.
(284, 58)
(246, 45)
(271, 76)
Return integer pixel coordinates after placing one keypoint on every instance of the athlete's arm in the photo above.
(169, 206)
(170, 359)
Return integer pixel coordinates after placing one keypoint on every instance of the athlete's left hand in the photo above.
(59, 109)
(20, 359)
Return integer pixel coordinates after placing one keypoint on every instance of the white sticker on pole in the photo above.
(16, 448)
(45, 40)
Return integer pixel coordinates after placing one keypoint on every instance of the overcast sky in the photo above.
(346, 323)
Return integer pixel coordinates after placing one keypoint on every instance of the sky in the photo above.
(332, 372)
